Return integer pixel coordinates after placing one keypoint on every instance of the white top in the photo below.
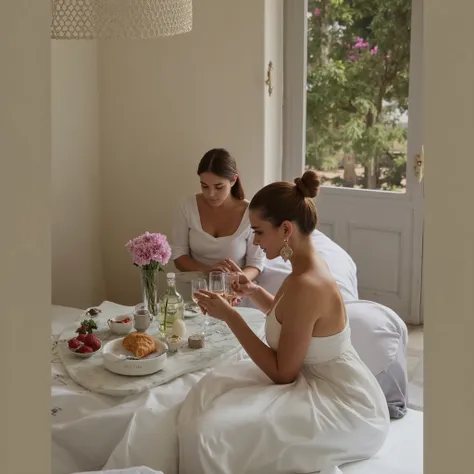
(188, 238)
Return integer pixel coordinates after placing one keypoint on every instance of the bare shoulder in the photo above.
(309, 294)
(309, 285)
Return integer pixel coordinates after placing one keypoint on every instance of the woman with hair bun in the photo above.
(304, 402)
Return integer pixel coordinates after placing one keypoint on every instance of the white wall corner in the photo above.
(273, 104)
(294, 96)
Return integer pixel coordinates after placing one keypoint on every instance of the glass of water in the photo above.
(197, 285)
(220, 283)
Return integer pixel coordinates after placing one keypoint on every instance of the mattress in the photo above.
(92, 432)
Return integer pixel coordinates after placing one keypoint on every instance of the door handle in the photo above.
(420, 164)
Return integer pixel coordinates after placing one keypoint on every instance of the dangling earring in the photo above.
(286, 251)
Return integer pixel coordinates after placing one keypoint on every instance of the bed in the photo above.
(92, 432)
(401, 454)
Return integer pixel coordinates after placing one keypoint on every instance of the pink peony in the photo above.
(149, 248)
(317, 12)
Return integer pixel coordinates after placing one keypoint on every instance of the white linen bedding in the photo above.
(401, 454)
(92, 432)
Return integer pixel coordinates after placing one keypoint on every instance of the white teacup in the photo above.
(121, 324)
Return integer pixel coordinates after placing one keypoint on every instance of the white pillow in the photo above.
(380, 337)
(340, 264)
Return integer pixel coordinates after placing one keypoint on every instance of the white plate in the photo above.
(115, 359)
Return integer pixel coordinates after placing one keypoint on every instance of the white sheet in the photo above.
(93, 432)
(401, 454)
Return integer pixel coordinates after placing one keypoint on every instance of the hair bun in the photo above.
(308, 184)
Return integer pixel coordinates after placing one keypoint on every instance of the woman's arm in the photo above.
(262, 299)
(284, 365)
(251, 272)
(180, 237)
(244, 286)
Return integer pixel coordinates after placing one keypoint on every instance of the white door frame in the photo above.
(294, 124)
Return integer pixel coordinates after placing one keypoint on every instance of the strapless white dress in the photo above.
(237, 421)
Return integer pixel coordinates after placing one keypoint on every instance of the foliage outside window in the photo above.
(357, 92)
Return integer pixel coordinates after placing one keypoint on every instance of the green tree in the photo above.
(357, 82)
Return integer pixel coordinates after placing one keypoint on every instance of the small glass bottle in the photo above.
(171, 306)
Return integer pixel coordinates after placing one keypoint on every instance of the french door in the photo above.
(353, 111)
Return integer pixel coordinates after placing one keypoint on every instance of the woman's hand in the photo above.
(214, 305)
(242, 284)
(225, 266)
(220, 267)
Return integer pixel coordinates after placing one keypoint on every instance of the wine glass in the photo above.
(230, 279)
(216, 285)
(221, 283)
(217, 282)
(197, 285)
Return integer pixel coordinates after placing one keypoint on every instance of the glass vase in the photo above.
(149, 277)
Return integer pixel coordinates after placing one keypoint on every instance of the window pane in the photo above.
(357, 92)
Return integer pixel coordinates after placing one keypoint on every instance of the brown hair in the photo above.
(283, 201)
(221, 163)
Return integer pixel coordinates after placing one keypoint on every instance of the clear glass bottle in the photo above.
(171, 306)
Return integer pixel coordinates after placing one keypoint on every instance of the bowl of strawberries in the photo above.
(86, 343)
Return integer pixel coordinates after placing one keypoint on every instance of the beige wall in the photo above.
(77, 272)
(25, 258)
(123, 156)
(448, 259)
(164, 103)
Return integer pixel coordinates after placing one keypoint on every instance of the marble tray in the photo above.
(92, 375)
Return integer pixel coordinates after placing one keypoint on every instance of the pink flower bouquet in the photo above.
(150, 252)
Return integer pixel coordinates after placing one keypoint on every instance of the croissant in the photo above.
(139, 344)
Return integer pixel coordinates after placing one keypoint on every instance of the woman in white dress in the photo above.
(303, 403)
(213, 226)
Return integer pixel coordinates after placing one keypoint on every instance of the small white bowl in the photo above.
(174, 343)
(119, 327)
(120, 361)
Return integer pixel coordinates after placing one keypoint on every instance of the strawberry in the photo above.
(74, 343)
(82, 329)
(93, 342)
(82, 337)
(85, 349)
(126, 320)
